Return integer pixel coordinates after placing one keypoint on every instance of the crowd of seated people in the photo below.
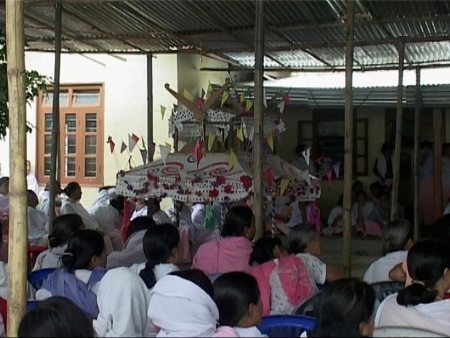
(143, 287)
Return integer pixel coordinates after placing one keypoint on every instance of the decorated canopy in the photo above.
(222, 177)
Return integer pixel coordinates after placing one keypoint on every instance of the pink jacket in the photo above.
(225, 255)
(294, 280)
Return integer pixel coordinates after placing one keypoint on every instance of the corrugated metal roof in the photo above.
(299, 34)
(432, 96)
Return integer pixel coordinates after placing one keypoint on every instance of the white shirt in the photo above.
(434, 316)
(50, 258)
(37, 225)
(317, 270)
(160, 270)
(82, 274)
(32, 184)
(335, 217)
(138, 213)
(248, 331)
(71, 207)
(378, 271)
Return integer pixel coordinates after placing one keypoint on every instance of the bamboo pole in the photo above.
(258, 137)
(55, 158)
(348, 140)
(17, 250)
(150, 105)
(438, 137)
(398, 134)
(416, 157)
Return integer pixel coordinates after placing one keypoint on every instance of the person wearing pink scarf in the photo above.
(232, 251)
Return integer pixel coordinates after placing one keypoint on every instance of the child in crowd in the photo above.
(238, 299)
(283, 279)
(84, 264)
(344, 309)
(397, 240)
(421, 304)
(232, 252)
(37, 222)
(133, 251)
(123, 301)
(63, 228)
(299, 212)
(304, 242)
(182, 305)
(56, 317)
(162, 249)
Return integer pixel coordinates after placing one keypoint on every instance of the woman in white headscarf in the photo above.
(182, 305)
(123, 301)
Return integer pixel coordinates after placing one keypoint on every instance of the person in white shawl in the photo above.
(383, 164)
(182, 305)
(123, 300)
(37, 222)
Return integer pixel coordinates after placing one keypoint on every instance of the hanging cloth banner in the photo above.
(329, 175)
(198, 150)
(144, 154)
(306, 155)
(281, 106)
(225, 97)
(336, 168)
(248, 105)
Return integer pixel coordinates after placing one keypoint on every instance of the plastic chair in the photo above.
(384, 289)
(395, 331)
(36, 278)
(286, 325)
(32, 304)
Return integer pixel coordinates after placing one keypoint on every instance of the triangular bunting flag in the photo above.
(281, 106)
(306, 153)
(209, 90)
(198, 150)
(240, 134)
(225, 97)
(270, 141)
(286, 99)
(111, 144)
(248, 105)
(188, 95)
(164, 150)
(203, 94)
(163, 111)
(181, 145)
(144, 154)
(269, 176)
(252, 132)
(283, 185)
(232, 160)
(211, 139)
(132, 141)
(329, 175)
(151, 149)
(123, 147)
(336, 168)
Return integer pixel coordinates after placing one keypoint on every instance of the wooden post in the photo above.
(55, 158)
(150, 105)
(258, 137)
(17, 250)
(438, 137)
(416, 157)
(348, 139)
(398, 134)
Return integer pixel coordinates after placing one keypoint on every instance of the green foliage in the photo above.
(34, 82)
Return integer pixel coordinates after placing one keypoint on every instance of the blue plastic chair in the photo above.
(286, 325)
(32, 304)
(36, 278)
